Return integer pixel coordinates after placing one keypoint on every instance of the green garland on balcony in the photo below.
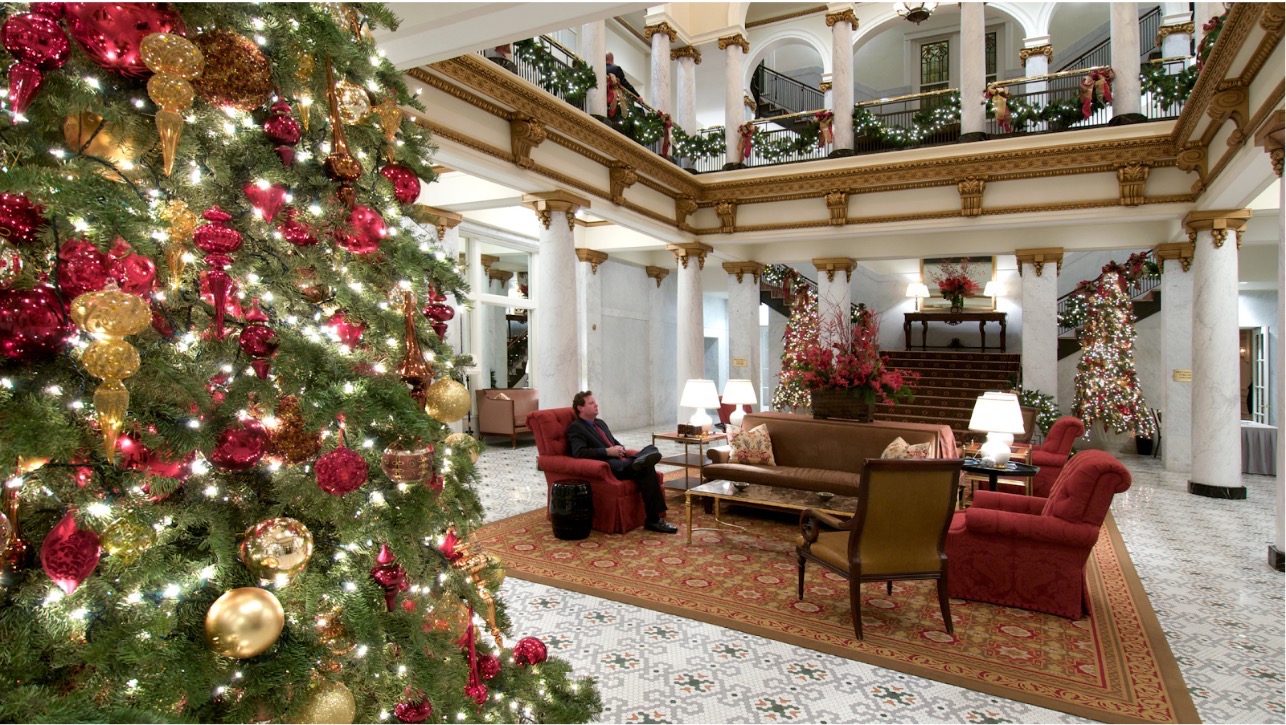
(774, 149)
(924, 123)
(1168, 89)
(697, 146)
(573, 81)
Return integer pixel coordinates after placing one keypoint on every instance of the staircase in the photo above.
(779, 95)
(949, 384)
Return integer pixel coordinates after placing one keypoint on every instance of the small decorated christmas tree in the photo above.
(1107, 389)
(802, 332)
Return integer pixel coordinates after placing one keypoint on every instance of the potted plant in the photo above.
(845, 373)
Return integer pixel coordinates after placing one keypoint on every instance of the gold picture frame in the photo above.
(980, 269)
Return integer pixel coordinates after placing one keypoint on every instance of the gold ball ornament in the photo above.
(277, 547)
(354, 103)
(464, 442)
(236, 72)
(327, 702)
(127, 540)
(244, 622)
(86, 134)
(448, 401)
(332, 632)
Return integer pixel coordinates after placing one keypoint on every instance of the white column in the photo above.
(686, 98)
(1279, 361)
(743, 321)
(1035, 56)
(594, 51)
(589, 287)
(1039, 272)
(973, 68)
(1176, 354)
(497, 284)
(1177, 41)
(834, 295)
(843, 23)
(553, 286)
(690, 361)
(1216, 392)
(735, 48)
(1124, 35)
(662, 389)
(662, 36)
(449, 242)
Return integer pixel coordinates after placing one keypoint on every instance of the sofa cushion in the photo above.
(804, 479)
(753, 446)
(500, 396)
(901, 449)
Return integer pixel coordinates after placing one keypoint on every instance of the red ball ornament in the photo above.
(240, 446)
(406, 185)
(266, 199)
(295, 231)
(82, 268)
(476, 691)
(33, 324)
(20, 220)
(110, 33)
(38, 44)
(134, 455)
(341, 472)
(283, 130)
(10, 264)
(68, 554)
(259, 342)
(530, 651)
(488, 666)
(133, 272)
(413, 711)
(366, 231)
(347, 330)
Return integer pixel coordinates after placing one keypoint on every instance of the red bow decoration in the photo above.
(747, 131)
(615, 97)
(475, 689)
(1098, 83)
(825, 128)
(665, 140)
(999, 96)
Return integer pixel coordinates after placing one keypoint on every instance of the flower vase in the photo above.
(957, 304)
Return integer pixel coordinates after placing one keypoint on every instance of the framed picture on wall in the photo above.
(937, 271)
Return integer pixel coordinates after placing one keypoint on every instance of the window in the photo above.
(991, 57)
(935, 66)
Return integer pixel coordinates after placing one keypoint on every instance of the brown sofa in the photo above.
(822, 455)
(500, 417)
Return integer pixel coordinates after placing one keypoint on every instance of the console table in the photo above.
(982, 317)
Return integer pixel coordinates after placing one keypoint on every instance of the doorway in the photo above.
(1253, 356)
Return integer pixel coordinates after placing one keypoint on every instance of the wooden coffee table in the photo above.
(768, 497)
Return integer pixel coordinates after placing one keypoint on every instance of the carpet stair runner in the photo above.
(949, 384)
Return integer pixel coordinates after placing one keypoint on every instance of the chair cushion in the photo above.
(753, 446)
(901, 449)
(803, 479)
(831, 547)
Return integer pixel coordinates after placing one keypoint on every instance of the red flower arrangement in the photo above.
(851, 363)
(954, 283)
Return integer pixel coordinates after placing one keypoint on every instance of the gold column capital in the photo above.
(1038, 258)
(741, 269)
(500, 275)
(1218, 222)
(441, 219)
(593, 256)
(825, 86)
(1181, 251)
(1046, 50)
(657, 273)
(831, 265)
(547, 202)
(736, 39)
(1167, 30)
(687, 51)
(683, 251)
(661, 27)
(843, 16)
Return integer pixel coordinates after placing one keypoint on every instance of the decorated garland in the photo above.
(1046, 409)
(572, 82)
(747, 131)
(998, 96)
(1211, 30)
(1168, 89)
(825, 128)
(1096, 91)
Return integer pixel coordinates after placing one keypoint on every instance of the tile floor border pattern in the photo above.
(1202, 562)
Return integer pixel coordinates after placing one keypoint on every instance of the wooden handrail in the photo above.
(907, 97)
(1051, 76)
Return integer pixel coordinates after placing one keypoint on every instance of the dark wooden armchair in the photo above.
(898, 531)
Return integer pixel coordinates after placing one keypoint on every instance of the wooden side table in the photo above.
(976, 470)
(687, 460)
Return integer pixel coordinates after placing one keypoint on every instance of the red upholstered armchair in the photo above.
(1030, 552)
(618, 505)
(1052, 455)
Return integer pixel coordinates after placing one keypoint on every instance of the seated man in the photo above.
(588, 437)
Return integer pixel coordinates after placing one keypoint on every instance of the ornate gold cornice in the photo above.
(1167, 30)
(825, 86)
(1241, 21)
(1271, 102)
(843, 16)
(547, 202)
(687, 51)
(737, 40)
(741, 269)
(594, 257)
(1181, 251)
(1132, 178)
(1038, 258)
(831, 265)
(727, 211)
(1046, 50)
(1269, 137)
(525, 134)
(971, 188)
(657, 273)
(683, 251)
(684, 207)
(442, 219)
(788, 16)
(621, 177)
(1218, 222)
(661, 27)
(837, 206)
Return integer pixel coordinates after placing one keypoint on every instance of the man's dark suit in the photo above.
(615, 70)
(583, 441)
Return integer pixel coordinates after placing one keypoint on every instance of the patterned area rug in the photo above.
(1113, 666)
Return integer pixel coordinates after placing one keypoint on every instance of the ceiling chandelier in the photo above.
(915, 12)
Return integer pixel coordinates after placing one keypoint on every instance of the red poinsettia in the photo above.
(852, 362)
(954, 283)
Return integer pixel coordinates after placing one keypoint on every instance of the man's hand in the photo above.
(616, 451)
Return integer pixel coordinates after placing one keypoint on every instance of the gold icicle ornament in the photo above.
(340, 164)
(413, 370)
(174, 60)
(183, 222)
(389, 117)
(110, 315)
(471, 563)
(304, 96)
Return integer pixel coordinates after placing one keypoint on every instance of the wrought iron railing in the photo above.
(1071, 306)
(1157, 109)
(785, 92)
(707, 163)
(1101, 54)
(901, 113)
(1048, 91)
(559, 55)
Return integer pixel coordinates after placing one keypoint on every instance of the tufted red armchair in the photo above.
(1030, 552)
(618, 505)
(1052, 455)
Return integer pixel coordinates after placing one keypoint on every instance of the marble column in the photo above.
(1039, 270)
(1216, 390)
(589, 287)
(834, 296)
(555, 352)
(973, 71)
(1126, 88)
(662, 388)
(661, 36)
(743, 322)
(685, 114)
(735, 48)
(1175, 259)
(777, 323)
(690, 360)
(843, 23)
(1175, 34)
(827, 87)
(1271, 137)
(1035, 55)
(498, 284)
(593, 49)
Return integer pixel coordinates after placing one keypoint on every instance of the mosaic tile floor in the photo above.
(1202, 562)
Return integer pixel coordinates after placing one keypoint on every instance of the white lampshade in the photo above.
(1000, 416)
(993, 289)
(738, 392)
(917, 289)
(700, 394)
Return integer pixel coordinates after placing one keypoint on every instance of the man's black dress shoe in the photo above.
(660, 527)
(642, 462)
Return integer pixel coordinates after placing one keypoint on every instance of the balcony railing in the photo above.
(1101, 54)
(545, 62)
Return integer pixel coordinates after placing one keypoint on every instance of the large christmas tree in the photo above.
(225, 500)
(802, 332)
(1107, 389)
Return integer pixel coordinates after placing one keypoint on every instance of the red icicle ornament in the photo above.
(390, 575)
(68, 554)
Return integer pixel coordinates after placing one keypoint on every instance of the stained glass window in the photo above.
(935, 65)
(991, 57)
